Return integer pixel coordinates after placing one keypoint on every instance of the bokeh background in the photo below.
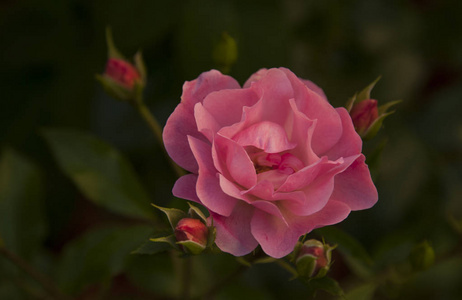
(50, 52)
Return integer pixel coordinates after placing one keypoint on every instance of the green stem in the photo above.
(157, 130)
(186, 278)
(287, 267)
(42, 279)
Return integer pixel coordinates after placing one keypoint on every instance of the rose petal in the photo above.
(196, 90)
(208, 186)
(181, 122)
(227, 105)
(329, 126)
(233, 232)
(278, 239)
(354, 186)
(349, 143)
(180, 125)
(233, 160)
(206, 122)
(255, 77)
(185, 188)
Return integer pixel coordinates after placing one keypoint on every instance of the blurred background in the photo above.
(50, 52)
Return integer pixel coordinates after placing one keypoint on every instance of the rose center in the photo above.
(285, 163)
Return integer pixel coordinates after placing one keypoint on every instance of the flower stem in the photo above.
(157, 130)
(186, 278)
(42, 279)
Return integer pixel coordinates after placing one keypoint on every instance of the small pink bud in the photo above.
(122, 72)
(313, 259)
(363, 114)
(191, 230)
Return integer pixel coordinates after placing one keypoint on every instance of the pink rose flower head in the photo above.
(122, 72)
(270, 161)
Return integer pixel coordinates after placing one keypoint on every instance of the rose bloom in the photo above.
(270, 161)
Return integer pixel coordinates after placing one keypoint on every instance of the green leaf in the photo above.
(101, 173)
(354, 253)
(192, 247)
(98, 255)
(174, 215)
(362, 292)
(22, 220)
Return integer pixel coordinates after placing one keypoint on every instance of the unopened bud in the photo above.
(122, 72)
(422, 256)
(363, 115)
(192, 235)
(313, 259)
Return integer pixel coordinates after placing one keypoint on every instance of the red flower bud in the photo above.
(122, 72)
(363, 114)
(192, 230)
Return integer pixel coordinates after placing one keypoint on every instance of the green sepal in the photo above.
(114, 89)
(174, 215)
(306, 265)
(170, 240)
(195, 213)
(192, 247)
(375, 127)
(361, 96)
(112, 51)
(350, 102)
(366, 92)
(140, 67)
(382, 109)
(153, 247)
(211, 236)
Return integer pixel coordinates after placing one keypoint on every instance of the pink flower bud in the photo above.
(191, 230)
(122, 72)
(363, 114)
(313, 259)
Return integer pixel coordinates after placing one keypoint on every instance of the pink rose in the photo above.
(270, 161)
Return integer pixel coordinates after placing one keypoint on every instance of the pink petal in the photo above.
(301, 133)
(206, 122)
(185, 188)
(328, 128)
(233, 232)
(227, 105)
(181, 124)
(268, 136)
(233, 160)
(208, 186)
(354, 186)
(255, 77)
(276, 237)
(196, 90)
(319, 191)
(312, 86)
(305, 176)
(349, 143)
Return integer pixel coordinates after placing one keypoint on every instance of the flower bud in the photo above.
(313, 259)
(422, 256)
(364, 114)
(122, 72)
(225, 52)
(192, 234)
